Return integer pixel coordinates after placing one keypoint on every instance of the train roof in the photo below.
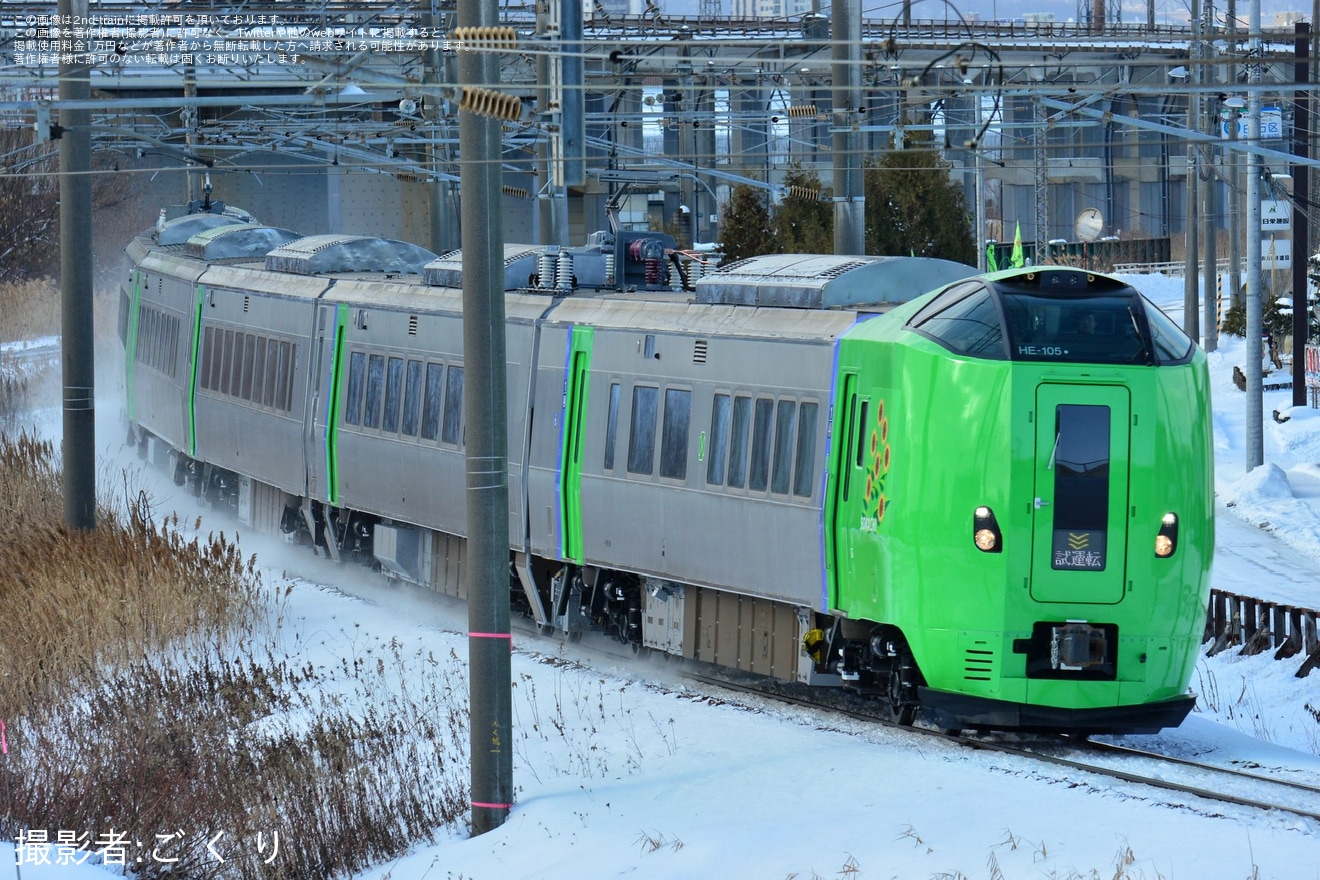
(332, 254)
(520, 261)
(238, 241)
(822, 281)
(254, 276)
(411, 295)
(180, 229)
(644, 313)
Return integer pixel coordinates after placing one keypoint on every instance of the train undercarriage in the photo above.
(751, 634)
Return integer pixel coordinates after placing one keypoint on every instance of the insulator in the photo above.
(804, 192)
(564, 280)
(609, 270)
(495, 105)
(517, 192)
(485, 39)
(801, 111)
(545, 267)
(676, 279)
(653, 274)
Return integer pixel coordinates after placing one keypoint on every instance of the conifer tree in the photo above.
(912, 207)
(745, 228)
(804, 222)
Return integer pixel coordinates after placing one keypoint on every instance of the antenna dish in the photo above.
(1090, 223)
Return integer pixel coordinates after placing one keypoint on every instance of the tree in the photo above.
(30, 203)
(804, 224)
(913, 208)
(29, 206)
(745, 225)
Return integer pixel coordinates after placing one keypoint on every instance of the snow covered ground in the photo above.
(621, 769)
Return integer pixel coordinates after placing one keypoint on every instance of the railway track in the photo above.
(1243, 787)
(1213, 782)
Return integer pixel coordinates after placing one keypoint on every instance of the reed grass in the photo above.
(146, 694)
(29, 309)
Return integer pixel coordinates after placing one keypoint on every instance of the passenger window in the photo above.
(284, 386)
(742, 417)
(375, 390)
(719, 440)
(225, 363)
(785, 422)
(393, 394)
(249, 358)
(143, 335)
(612, 426)
(641, 434)
(208, 357)
(674, 434)
(236, 372)
(174, 345)
(272, 370)
(761, 440)
(805, 466)
(435, 393)
(451, 430)
(357, 374)
(412, 398)
(259, 371)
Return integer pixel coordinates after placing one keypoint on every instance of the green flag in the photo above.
(991, 261)
(1017, 261)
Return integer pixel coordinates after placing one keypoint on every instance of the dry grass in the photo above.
(29, 309)
(145, 693)
(106, 597)
(145, 697)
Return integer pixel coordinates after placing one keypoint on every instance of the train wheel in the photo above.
(896, 709)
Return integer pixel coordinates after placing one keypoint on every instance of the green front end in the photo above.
(1074, 467)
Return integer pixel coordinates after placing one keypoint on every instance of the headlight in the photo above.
(1167, 540)
(985, 531)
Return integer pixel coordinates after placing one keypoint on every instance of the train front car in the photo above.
(1020, 527)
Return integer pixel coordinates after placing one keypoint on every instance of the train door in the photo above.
(129, 332)
(1081, 493)
(323, 383)
(572, 423)
(194, 340)
(841, 522)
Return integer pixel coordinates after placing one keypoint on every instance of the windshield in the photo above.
(1060, 315)
(1094, 329)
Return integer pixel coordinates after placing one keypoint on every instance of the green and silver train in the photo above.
(989, 505)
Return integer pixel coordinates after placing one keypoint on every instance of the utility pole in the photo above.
(979, 152)
(1234, 174)
(77, 338)
(849, 191)
(1209, 316)
(1192, 269)
(1301, 223)
(485, 393)
(552, 195)
(441, 210)
(1255, 441)
(1039, 138)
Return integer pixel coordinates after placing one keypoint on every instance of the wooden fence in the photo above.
(1258, 626)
